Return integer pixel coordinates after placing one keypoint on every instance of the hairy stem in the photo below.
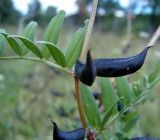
(79, 103)
(39, 60)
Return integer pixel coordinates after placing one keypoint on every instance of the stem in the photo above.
(39, 60)
(89, 29)
(155, 37)
(79, 103)
(83, 53)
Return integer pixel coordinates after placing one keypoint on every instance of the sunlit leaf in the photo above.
(30, 45)
(124, 90)
(74, 48)
(108, 93)
(29, 33)
(55, 52)
(51, 34)
(90, 106)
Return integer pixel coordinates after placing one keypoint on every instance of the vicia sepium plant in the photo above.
(116, 103)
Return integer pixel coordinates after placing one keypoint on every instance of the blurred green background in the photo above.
(31, 93)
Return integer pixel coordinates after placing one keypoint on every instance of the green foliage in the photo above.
(154, 74)
(2, 41)
(124, 90)
(29, 32)
(108, 114)
(75, 46)
(129, 121)
(90, 107)
(30, 45)
(109, 96)
(52, 31)
(13, 44)
(137, 88)
(124, 119)
(56, 53)
(21, 45)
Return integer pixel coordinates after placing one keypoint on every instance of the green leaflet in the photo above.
(29, 33)
(108, 93)
(154, 75)
(137, 88)
(90, 106)
(74, 48)
(2, 40)
(52, 32)
(30, 30)
(124, 90)
(30, 45)
(2, 43)
(56, 53)
(13, 43)
(108, 114)
(129, 121)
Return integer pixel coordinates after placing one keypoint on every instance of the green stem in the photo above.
(41, 61)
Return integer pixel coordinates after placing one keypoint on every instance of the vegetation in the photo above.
(27, 104)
